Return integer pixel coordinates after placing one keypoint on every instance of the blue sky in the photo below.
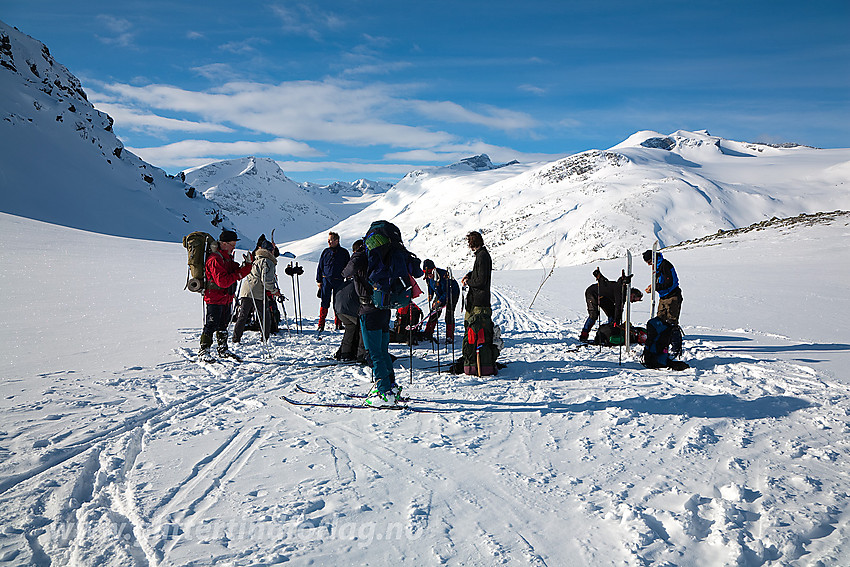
(361, 88)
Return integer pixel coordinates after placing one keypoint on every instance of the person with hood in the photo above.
(328, 276)
(222, 273)
(669, 297)
(259, 288)
(347, 308)
(443, 291)
(607, 296)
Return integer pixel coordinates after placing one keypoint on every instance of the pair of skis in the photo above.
(352, 405)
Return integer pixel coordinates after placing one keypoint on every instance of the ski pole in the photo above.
(260, 323)
(452, 314)
(410, 336)
(298, 271)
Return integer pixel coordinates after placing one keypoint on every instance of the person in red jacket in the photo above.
(222, 273)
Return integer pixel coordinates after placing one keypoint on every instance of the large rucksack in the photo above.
(655, 352)
(199, 245)
(611, 335)
(391, 266)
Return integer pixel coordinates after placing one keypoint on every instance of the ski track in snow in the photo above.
(529, 471)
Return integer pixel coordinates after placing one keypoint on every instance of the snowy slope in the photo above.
(597, 204)
(61, 162)
(257, 197)
(115, 450)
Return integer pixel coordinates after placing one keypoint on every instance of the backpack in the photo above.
(391, 267)
(401, 331)
(655, 351)
(610, 335)
(199, 245)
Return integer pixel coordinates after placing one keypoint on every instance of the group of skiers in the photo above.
(380, 275)
(610, 297)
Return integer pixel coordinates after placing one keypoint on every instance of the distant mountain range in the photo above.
(61, 162)
(599, 204)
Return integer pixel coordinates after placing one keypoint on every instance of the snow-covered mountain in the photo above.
(61, 162)
(359, 187)
(257, 197)
(598, 204)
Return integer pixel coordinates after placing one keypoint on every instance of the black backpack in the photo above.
(656, 350)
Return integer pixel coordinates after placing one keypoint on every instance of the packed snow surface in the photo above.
(117, 449)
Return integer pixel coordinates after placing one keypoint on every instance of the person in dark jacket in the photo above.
(375, 322)
(669, 297)
(479, 346)
(443, 291)
(478, 280)
(328, 276)
(222, 273)
(607, 296)
(347, 308)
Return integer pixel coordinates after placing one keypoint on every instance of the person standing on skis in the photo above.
(443, 291)
(607, 296)
(222, 273)
(329, 276)
(253, 298)
(669, 297)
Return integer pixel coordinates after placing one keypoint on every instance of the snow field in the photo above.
(571, 454)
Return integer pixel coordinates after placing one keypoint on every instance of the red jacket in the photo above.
(223, 272)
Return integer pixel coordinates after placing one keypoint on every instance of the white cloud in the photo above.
(304, 19)
(535, 90)
(303, 110)
(189, 153)
(496, 118)
(134, 119)
(122, 34)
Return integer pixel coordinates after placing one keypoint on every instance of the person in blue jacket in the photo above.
(329, 276)
(443, 291)
(670, 297)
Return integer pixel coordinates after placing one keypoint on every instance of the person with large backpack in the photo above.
(385, 279)
(221, 273)
(259, 290)
(347, 308)
(670, 298)
(608, 297)
(479, 350)
(445, 292)
(328, 277)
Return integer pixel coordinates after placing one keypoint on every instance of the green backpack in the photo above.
(199, 245)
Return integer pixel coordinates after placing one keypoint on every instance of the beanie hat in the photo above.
(428, 265)
(647, 256)
(228, 236)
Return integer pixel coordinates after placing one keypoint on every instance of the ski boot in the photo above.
(223, 351)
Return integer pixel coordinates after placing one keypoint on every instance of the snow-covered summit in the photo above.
(480, 162)
(359, 187)
(62, 163)
(257, 197)
(599, 203)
